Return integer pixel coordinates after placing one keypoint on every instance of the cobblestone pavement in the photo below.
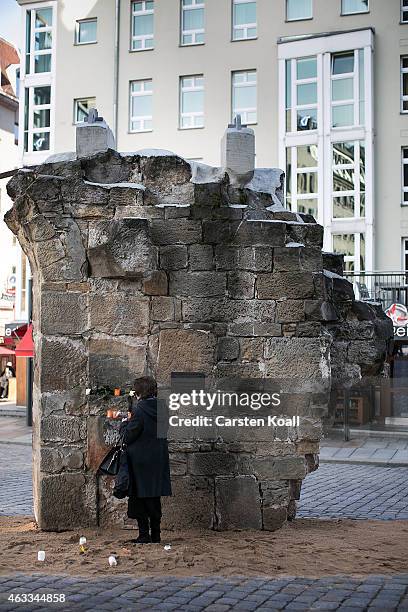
(214, 594)
(16, 480)
(355, 491)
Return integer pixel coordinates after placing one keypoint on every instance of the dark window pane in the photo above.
(43, 17)
(343, 179)
(306, 68)
(42, 95)
(41, 141)
(405, 175)
(42, 63)
(343, 63)
(343, 207)
(41, 118)
(307, 119)
(343, 153)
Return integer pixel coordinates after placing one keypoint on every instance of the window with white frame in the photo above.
(37, 121)
(405, 254)
(38, 45)
(348, 179)
(82, 107)
(352, 246)
(329, 164)
(85, 31)
(404, 11)
(404, 84)
(404, 172)
(302, 179)
(301, 94)
(191, 102)
(244, 21)
(244, 95)
(141, 106)
(192, 22)
(351, 7)
(298, 9)
(347, 88)
(142, 25)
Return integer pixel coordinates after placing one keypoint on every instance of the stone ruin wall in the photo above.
(149, 264)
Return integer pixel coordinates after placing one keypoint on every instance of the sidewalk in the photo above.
(379, 450)
(13, 430)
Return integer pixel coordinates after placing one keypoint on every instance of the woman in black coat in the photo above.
(148, 461)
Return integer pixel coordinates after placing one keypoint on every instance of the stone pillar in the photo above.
(93, 136)
(141, 267)
(238, 153)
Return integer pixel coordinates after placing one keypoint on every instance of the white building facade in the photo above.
(324, 84)
(10, 252)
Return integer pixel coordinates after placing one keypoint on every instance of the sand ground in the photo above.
(306, 547)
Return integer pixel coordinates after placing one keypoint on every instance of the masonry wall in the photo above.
(149, 264)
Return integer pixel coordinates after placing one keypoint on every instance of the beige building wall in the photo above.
(9, 159)
(89, 71)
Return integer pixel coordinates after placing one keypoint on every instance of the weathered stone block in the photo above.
(175, 231)
(316, 310)
(278, 285)
(290, 311)
(66, 501)
(367, 354)
(63, 313)
(333, 262)
(197, 284)
(116, 362)
(274, 492)
(121, 248)
(226, 257)
(173, 257)
(260, 233)
(255, 329)
(119, 314)
(241, 285)
(58, 428)
(212, 464)
(192, 504)
(304, 355)
(163, 308)
(63, 364)
(252, 349)
(274, 517)
(278, 468)
(182, 350)
(156, 283)
(228, 348)
(178, 464)
(238, 504)
(255, 259)
(201, 257)
(227, 310)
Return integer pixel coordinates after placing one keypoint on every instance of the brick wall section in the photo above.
(140, 269)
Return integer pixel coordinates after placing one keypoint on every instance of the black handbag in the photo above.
(122, 479)
(111, 463)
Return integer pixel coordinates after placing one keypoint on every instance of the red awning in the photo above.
(25, 347)
(5, 351)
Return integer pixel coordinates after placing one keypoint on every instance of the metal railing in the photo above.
(385, 287)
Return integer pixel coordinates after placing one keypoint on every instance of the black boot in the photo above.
(144, 536)
(155, 531)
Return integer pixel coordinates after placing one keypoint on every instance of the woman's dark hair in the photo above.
(145, 386)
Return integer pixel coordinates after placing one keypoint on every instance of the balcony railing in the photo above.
(385, 287)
